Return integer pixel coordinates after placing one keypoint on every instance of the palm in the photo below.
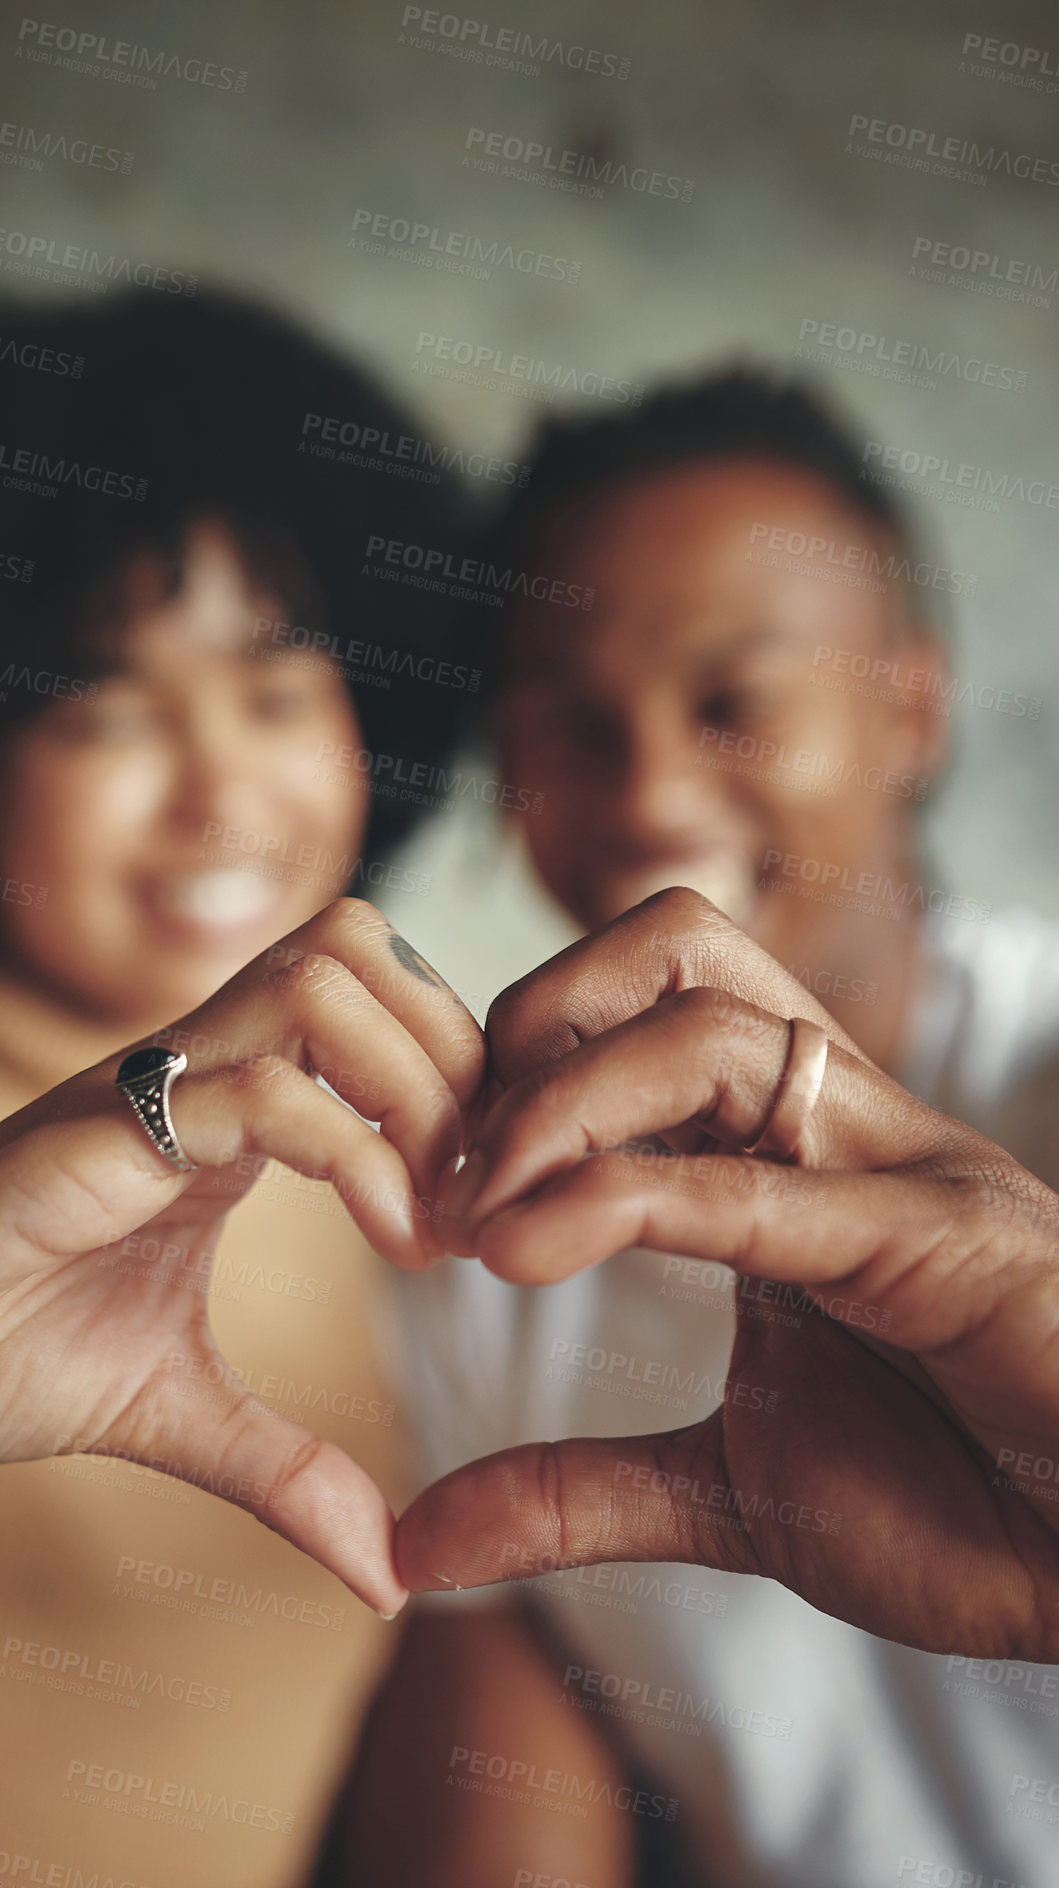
(863, 1497)
(94, 1337)
(105, 1274)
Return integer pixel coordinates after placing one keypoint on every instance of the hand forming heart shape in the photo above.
(669, 1026)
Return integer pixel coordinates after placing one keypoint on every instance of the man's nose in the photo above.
(663, 786)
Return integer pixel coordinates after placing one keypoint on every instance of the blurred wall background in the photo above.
(267, 136)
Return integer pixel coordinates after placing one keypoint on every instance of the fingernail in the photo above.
(464, 1188)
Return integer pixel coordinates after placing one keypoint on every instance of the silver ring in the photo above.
(145, 1078)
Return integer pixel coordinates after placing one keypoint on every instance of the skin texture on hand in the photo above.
(98, 1340)
(904, 1486)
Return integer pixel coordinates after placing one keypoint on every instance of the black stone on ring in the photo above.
(145, 1078)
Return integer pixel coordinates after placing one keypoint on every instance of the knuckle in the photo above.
(510, 1257)
(531, 1021)
(315, 978)
(354, 918)
(503, 1021)
(435, 1105)
(265, 1072)
(523, 1114)
(552, 1482)
(682, 909)
(698, 934)
(469, 1075)
(706, 1006)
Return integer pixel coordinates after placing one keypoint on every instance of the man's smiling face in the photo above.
(663, 726)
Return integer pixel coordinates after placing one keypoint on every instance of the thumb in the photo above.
(219, 1437)
(547, 1505)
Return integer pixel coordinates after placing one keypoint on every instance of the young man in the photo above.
(750, 709)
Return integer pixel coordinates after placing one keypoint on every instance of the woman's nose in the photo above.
(217, 779)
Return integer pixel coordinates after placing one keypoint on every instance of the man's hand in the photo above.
(99, 1333)
(910, 1487)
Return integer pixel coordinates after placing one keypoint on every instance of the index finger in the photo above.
(359, 937)
(676, 940)
(703, 1056)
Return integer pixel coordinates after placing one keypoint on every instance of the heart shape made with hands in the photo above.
(934, 1455)
(671, 1024)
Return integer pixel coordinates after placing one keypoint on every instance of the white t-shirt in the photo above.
(801, 1752)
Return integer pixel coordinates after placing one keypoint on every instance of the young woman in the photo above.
(200, 690)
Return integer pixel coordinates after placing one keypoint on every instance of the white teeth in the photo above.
(218, 898)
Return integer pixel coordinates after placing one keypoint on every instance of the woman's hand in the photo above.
(910, 1487)
(97, 1339)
